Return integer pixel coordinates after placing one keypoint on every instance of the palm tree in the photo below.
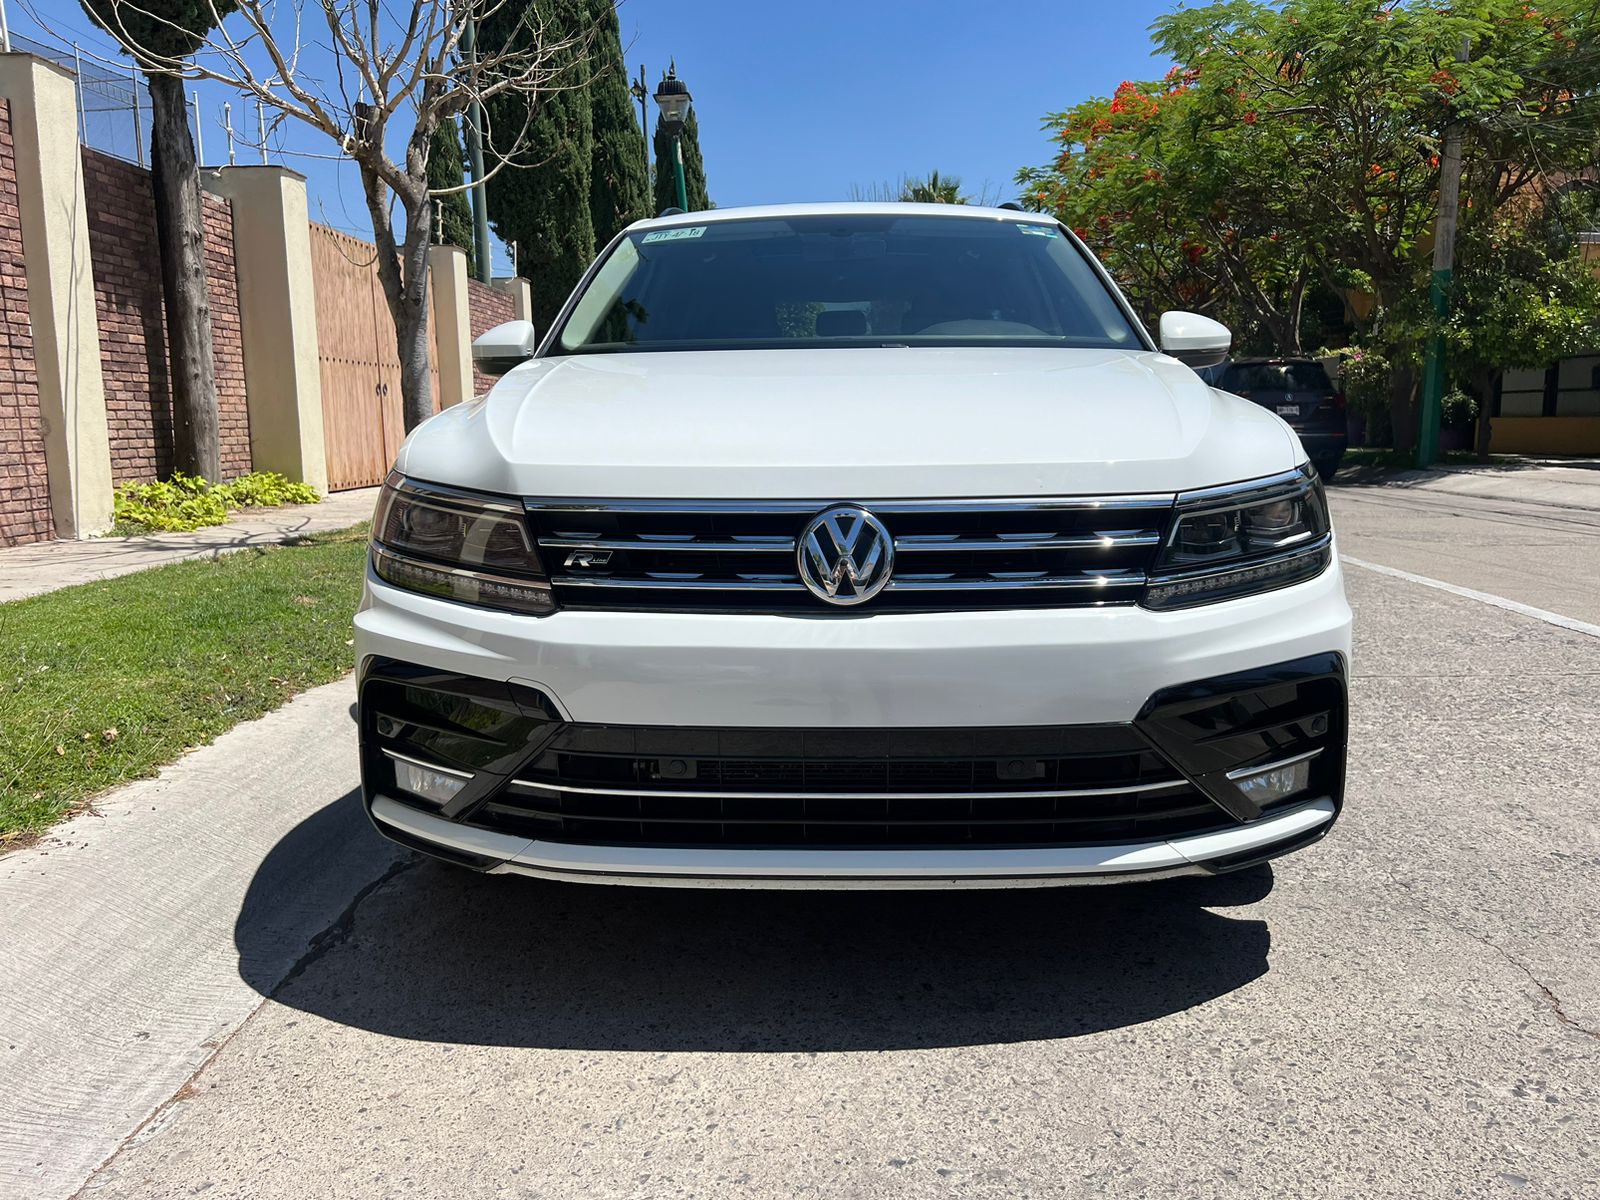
(935, 189)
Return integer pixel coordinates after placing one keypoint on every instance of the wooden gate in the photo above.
(362, 422)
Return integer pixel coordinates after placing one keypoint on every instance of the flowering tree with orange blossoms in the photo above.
(1155, 202)
(1297, 146)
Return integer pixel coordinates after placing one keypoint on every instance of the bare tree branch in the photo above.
(393, 55)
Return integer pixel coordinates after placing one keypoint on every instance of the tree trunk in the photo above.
(403, 272)
(180, 228)
(1487, 378)
(411, 314)
(416, 389)
(1402, 407)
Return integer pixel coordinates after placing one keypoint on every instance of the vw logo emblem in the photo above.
(846, 555)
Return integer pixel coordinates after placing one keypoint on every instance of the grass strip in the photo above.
(104, 682)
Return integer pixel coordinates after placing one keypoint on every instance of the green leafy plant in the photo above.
(266, 489)
(185, 503)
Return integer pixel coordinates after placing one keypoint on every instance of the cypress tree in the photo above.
(541, 201)
(445, 170)
(694, 168)
(619, 186)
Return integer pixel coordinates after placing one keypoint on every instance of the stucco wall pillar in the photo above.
(278, 313)
(61, 304)
(521, 295)
(452, 323)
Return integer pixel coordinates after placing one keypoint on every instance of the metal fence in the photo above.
(114, 108)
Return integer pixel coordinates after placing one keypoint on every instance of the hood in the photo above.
(849, 424)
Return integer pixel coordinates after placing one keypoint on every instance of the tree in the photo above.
(543, 206)
(397, 74)
(934, 189)
(1359, 94)
(1524, 297)
(157, 32)
(694, 168)
(1150, 187)
(1293, 152)
(619, 183)
(447, 177)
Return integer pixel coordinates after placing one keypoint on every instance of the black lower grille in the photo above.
(1168, 773)
(1033, 786)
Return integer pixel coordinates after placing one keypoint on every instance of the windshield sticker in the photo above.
(1040, 230)
(675, 235)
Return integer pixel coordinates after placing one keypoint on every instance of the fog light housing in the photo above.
(436, 785)
(1267, 785)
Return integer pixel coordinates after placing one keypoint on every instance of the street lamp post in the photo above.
(672, 99)
(641, 93)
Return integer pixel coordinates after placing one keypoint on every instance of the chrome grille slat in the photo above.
(741, 556)
(1096, 541)
(561, 543)
(1001, 584)
(690, 794)
(647, 583)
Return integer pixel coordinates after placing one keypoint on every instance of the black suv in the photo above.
(1299, 391)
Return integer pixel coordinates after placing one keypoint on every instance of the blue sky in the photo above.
(803, 102)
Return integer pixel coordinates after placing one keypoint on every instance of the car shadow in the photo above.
(439, 954)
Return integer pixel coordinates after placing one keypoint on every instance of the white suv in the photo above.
(853, 545)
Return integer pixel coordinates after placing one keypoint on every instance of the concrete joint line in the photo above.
(1526, 610)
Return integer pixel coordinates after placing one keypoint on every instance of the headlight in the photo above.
(457, 546)
(1234, 541)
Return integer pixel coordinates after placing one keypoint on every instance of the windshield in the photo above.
(845, 280)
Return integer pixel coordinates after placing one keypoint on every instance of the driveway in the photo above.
(1411, 1008)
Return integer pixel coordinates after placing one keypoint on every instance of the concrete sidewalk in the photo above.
(46, 566)
(139, 935)
(1560, 483)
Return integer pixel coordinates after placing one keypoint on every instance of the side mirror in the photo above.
(504, 346)
(1194, 340)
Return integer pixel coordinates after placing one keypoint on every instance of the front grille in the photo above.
(1029, 786)
(740, 556)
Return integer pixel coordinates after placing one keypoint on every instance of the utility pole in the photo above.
(1444, 261)
(480, 202)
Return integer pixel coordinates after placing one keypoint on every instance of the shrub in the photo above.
(267, 489)
(185, 502)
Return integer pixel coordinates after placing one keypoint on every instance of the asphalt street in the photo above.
(1409, 1009)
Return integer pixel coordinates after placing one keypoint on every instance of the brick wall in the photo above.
(133, 355)
(227, 338)
(24, 484)
(486, 308)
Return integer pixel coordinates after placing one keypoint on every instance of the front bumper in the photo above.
(841, 670)
(788, 868)
(1180, 700)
